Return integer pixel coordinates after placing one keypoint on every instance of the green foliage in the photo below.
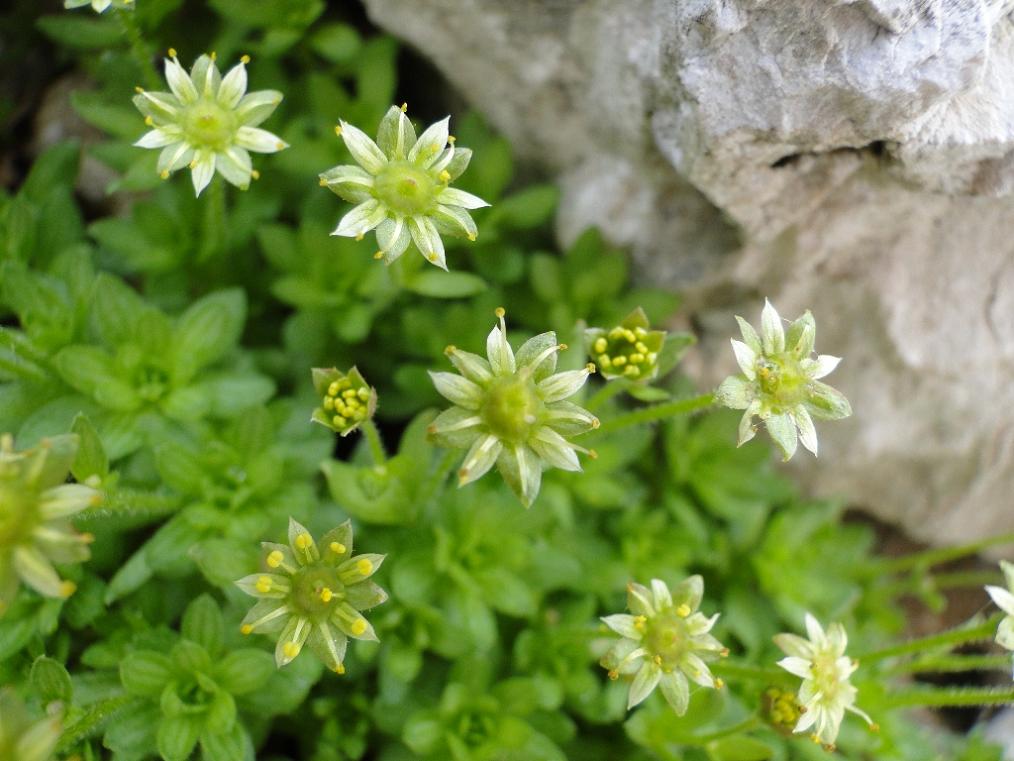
(174, 336)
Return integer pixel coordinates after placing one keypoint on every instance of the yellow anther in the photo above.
(450, 349)
(614, 674)
(591, 452)
(629, 335)
(275, 558)
(339, 422)
(364, 566)
(172, 52)
(358, 627)
(363, 394)
(323, 182)
(290, 650)
(641, 347)
(404, 107)
(657, 660)
(244, 59)
(303, 541)
(619, 361)
(379, 255)
(874, 727)
(637, 358)
(500, 312)
(192, 164)
(616, 333)
(264, 584)
(444, 175)
(246, 629)
(719, 684)
(213, 55)
(604, 361)
(67, 588)
(164, 174)
(139, 90)
(359, 236)
(329, 403)
(339, 669)
(337, 548)
(562, 347)
(338, 130)
(432, 256)
(334, 388)
(632, 370)
(639, 622)
(472, 237)
(326, 594)
(590, 368)
(149, 121)
(683, 610)
(348, 393)
(452, 139)
(601, 344)
(724, 652)
(279, 145)
(255, 174)
(595, 422)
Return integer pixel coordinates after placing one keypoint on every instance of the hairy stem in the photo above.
(213, 243)
(973, 631)
(953, 664)
(659, 412)
(604, 394)
(937, 555)
(139, 50)
(950, 696)
(733, 670)
(750, 722)
(377, 451)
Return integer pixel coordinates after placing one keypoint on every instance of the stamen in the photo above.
(404, 107)
(275, 558)
(303, 541)
(364, 566)
(358, 627)
(683, 610)
(244, 59)
(337, 548)
(246, 630)
(326, 594)
(67, 588)
(601, 345)
(264, 584)
(172, 52)
(291, 650)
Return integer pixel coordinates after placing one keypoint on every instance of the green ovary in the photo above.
(208, 125)
(405, 188)
(308, 591)
(667, 637)
(512, 408)
(781, 380)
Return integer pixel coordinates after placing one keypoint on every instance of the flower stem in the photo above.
(213, 243)
(138, 49)
(659, 412)
(954, 664)
(733, 670)
(377, 451)
(604, 394)
(750, 722)
(950, 696)
(434, 485)
(938, 555)
(968, 632)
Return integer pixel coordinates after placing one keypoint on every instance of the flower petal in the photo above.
(624, 625)
(772, 332)
(660, 595)
(554, 449)
(562, 385)
(291, 640)
(255, 107)
(233, 87)
(782, 429)
(366, 152)
(304, 549)
(814, 630)
(750, 336)
(206, 76)
(825, 365)
(66, 500)
(393, 238)
(480, 459)
(735, 393)
(797, 666)
(396, 135)
(234, 165)
(472, 366)
(804, 424)
(747, 430)
(501, 356)
(352, 183)
(259, 140)
(676, 691)
(202, 169)
(793, 644)
(430, 143)
(1003, 598)
(539, 347)
(160, 137)
(745, 357)
(457, 390)
(179, 81)
(361, 219)
(645, 681)
(427, 240)
(456, 197)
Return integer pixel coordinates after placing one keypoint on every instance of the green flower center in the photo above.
(782, 380)
(511, 408)
(207, 125)
(315, 590)
(405, 188)
(666, 636)
(18, 516)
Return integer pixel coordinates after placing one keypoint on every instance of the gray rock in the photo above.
(851, 156)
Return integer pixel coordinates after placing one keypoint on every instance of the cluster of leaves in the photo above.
(175, 339)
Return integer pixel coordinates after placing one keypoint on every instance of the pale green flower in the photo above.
(208, 122)
(1004, 599)
(313, 595)
(401, 187)
(99, 6)
(666, 642)
(21, 738)
(35, 504)
(826, 692)
(510, 411)
(779, 383)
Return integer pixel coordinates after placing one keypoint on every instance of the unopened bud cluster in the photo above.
(630, 350)
(346, 399)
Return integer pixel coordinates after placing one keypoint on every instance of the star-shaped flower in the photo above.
(1004, 599)
(21, 737)
(208, 122)
(510, 411)
(313, 595)
(826, 692)
(35, 504)
(779, 382)
(401, 187)
(665, 642)
(99, 6)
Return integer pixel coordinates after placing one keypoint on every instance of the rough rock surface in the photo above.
(851, 156)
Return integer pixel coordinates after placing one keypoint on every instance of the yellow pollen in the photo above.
(641, 347)
(596, 423)
(632, 370)
(329, 403)
(364, 566)
(279, 145)
(323, 182)
(246, 629)
(172, 52)
(629, 335)
(358, 627)
(445, 176)
(290, 650)
(450, 349)
(67, 588)
(326, 594)
(339, 421)
(213, 55)
(719, 684)
(340, 668)
(604, 361)
(590, 367)
(244, 59)
(639, 622)
(192, 164)
(348, 393)
(657, 659)
(404, 107)
(379, 255)
(275, 558)
(303, 541)
(562, 347)
(472, 237)
(637, 358)
(337, 548)
(683, 610)
(619, 361)
(601, 345)
(164, 174)
(432, 256)
(500, 311)
(363, 394)
(334, 388)
(264, 584)
(255, 174)
(724, 652)
(149, 121)
(338, 130)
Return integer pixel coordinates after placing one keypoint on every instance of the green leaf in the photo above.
(50, 679)
(506, 592)
(203, 624)
(118, 120)
(233, 745)
(739, 748)
(208, 330)
(527, 209)
(177, 736)
(179, 468)
(91, 458)
(337, 43)
(116, 309)
(55, 167)
(76, 30)
(131, 732)
(675, 346)
(243, 671)
(446, 285)
(145, 672)
(92, 371)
